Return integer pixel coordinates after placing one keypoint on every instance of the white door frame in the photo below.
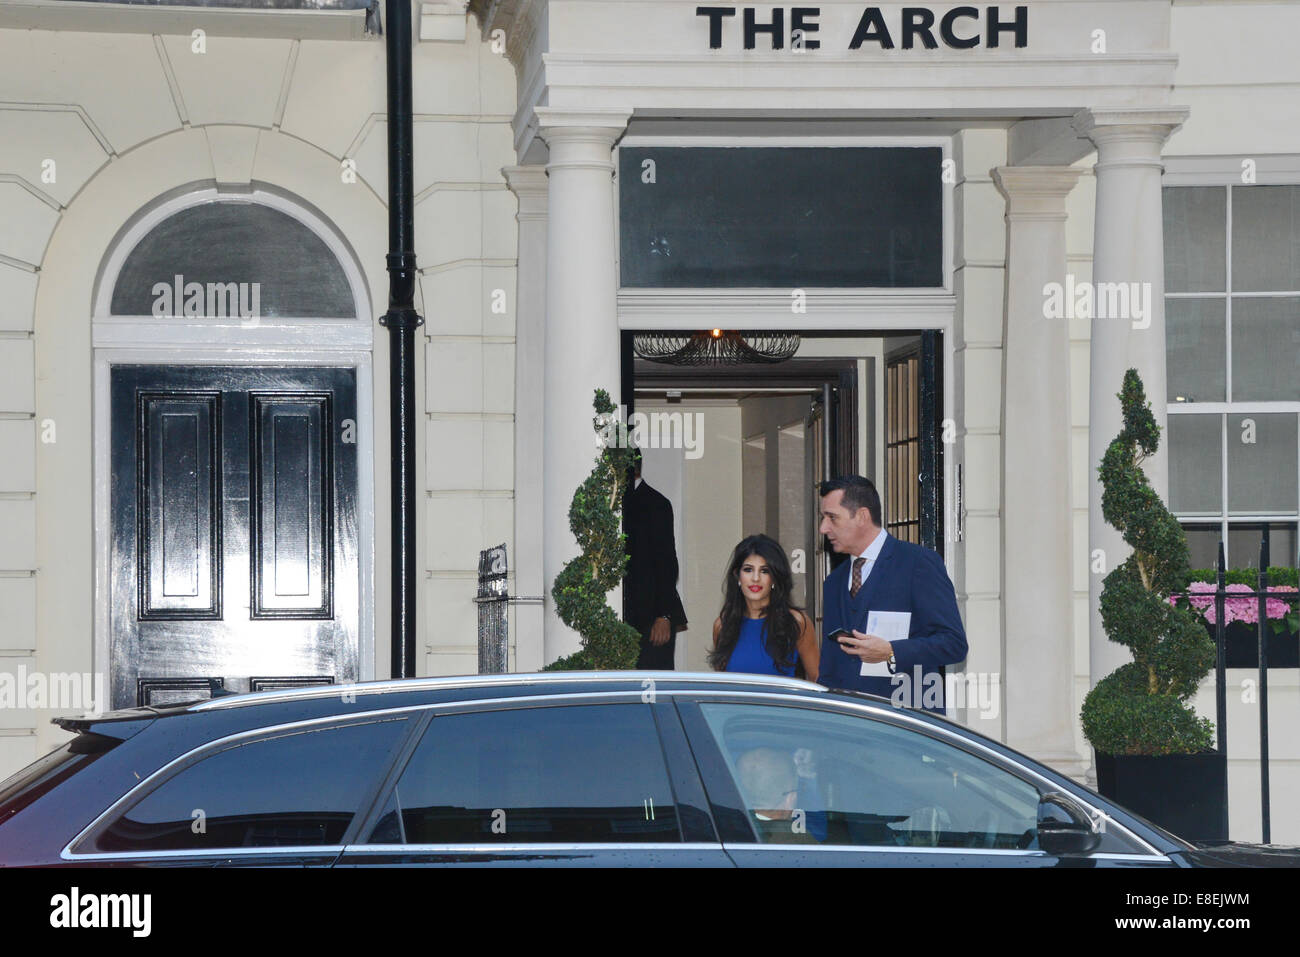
(146, 340)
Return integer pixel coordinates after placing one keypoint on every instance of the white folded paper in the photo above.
(893, 626)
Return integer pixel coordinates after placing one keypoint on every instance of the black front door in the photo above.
(234, 530)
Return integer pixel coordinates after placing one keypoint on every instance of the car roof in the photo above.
(524, 684)
(414, 692)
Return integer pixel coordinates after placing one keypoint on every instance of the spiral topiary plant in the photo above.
(580, 588)
(1141, 707)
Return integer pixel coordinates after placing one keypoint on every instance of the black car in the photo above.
(628, 768)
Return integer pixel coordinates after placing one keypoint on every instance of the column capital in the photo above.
(1129, 137)
(556, 124)
(1036, 192)
(580, 139)
(529, 184)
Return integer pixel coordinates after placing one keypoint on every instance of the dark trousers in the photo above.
(656, 657)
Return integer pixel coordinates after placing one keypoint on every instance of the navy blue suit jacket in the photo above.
(904, 577)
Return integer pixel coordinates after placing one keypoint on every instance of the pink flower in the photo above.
(1200, 595)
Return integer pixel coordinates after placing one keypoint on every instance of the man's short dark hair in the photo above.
(858, 493)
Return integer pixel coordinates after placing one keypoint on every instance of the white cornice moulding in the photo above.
(77, 17)
(828, 310)
(1277, 169)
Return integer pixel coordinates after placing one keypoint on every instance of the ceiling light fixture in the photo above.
(716, 347)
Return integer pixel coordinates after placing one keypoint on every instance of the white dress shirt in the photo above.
(871, 553)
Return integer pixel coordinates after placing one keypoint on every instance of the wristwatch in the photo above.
(892, 662)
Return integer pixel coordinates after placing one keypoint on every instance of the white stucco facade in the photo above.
(1059, 150)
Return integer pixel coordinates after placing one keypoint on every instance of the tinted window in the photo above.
(783, 217)
(295, 789)
(562, 774)
(809, 777)
(45, 774)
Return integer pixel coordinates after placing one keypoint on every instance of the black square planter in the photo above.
(1241, 646)
(1183, 793)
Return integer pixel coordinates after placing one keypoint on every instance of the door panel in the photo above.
(292, 509)
(776, 495)
(234, 530)
(179, 571)
(914, 428)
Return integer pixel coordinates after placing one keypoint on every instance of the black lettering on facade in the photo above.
(1019, 26)
(715, 15)
(918, 20)
(805, 26)
(872, 27)
(776, 28)
(949, 36)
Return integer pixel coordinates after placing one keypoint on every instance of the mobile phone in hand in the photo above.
(839, 634)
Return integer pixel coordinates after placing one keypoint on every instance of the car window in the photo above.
(817, 777)
(588, 773)
(294, 789)
(46, 773)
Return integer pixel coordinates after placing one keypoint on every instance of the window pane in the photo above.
(1265, 349)
(242, 256)
(24, 787)
(295, 790)
(1195, 464)
(1244, 539)
(1203, 545)
(863, 782)
(1196, 350)
(781, 217)
(1262, 471)
(1265, 238)
(534, 775)
(1195, 231)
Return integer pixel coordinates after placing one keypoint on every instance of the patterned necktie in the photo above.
(857, 576)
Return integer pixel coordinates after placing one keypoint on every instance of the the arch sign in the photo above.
(907, 28)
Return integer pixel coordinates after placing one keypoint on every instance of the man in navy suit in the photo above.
(884, 574)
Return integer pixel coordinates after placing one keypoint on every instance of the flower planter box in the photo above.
(1240, 638)
(1241, 646)
(1183, 793)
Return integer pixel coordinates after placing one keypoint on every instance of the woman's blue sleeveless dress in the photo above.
(749, 655)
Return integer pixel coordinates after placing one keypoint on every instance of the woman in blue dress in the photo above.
(759, 630)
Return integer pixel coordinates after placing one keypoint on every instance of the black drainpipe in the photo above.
(401, 321)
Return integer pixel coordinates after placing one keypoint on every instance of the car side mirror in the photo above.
(1064, 829)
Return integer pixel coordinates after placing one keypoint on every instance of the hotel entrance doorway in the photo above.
(764, 436)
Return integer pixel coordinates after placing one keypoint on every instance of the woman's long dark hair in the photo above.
(780, 632)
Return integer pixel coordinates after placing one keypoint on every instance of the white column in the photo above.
(1128, 247)
(529, 184)
(582, 338)
(1038, 646)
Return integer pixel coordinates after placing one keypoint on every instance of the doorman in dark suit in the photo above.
(884, 574)
(650, 601)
